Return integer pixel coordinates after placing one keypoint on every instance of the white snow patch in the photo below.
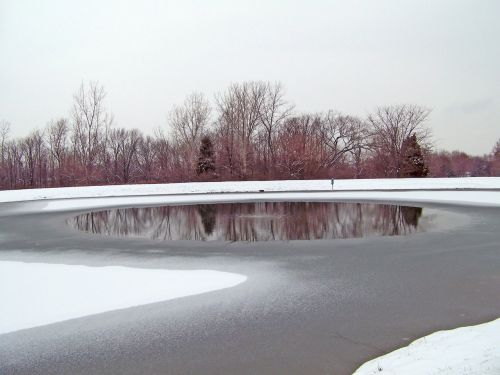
(473, 191)
(480, 183)
(471, 350)
(36, 294)
(467, 198)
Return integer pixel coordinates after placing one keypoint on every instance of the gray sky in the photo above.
(345, 55)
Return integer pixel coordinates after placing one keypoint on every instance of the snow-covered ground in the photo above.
(462, 191)
(36, 294)
(471, 350)
(251, 186)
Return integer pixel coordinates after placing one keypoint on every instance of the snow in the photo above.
(471, 350)
(251, 186)
(36, 294)
(474, 191)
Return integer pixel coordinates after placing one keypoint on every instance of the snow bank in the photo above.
(463, 351)
(252, 186)
(455, 191)
(35, 294)
(467, 198)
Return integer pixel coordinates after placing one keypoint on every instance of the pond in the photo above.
(258, 221)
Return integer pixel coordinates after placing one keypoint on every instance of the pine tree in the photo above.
(495, 162)
(413, 161)
(496, 151)
(206, 159)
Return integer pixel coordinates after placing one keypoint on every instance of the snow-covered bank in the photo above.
(455, 191)
(482, 183)
(36, 294)
(471, 350)
(466, 198)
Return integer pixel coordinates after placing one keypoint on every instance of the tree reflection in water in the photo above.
(262, 221)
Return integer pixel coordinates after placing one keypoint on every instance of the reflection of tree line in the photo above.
(254, 221)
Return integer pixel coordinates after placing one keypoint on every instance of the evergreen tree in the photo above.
(413, 162)
(496, 151)
(206, 159)
(495, 162)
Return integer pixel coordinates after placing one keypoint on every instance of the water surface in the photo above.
(258, 221)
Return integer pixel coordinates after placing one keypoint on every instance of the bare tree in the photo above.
(342, 136)
(34, 155)
(240, 114)
(163, 152)
(90, 119)
(4, 136)
(146, 156)
(390, 126)
(274, 112)
(124, 145)
(15, 163)
(300, 148)
(189, 122)
(57, 137)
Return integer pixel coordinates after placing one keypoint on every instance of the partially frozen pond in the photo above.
(257, 221)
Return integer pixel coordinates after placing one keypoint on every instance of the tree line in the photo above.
(251, 132)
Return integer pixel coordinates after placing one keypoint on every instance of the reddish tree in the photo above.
(390, 127)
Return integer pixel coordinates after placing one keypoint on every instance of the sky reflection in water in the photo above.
(260, 221)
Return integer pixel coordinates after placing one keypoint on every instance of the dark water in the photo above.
(261, 221)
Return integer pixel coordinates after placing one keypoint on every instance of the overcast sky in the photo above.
(349, 56)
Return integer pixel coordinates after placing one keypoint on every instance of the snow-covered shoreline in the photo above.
(481, 192)
(473, 350)
(476, 183)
